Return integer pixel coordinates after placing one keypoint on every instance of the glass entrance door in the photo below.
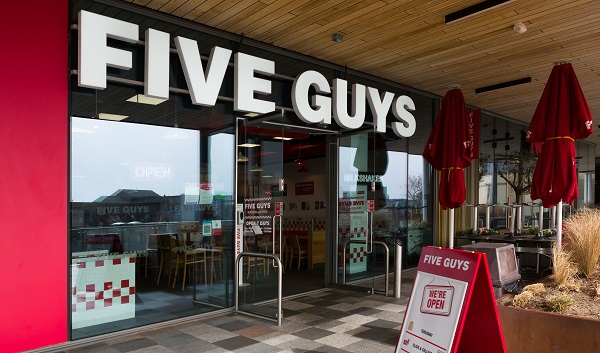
(281, 185)
(364, 253)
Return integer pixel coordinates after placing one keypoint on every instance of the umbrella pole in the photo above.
(475, 219)
(451, 228)
(559, 225)
(540, 222)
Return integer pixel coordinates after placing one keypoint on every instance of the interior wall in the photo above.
(316, 175)
(33, 181)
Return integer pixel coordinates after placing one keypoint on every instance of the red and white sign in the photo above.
(278, 208)
(452, 307)
(437, 300)
(371, 205)
(474, 117)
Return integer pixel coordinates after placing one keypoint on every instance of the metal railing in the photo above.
(279, 313)
(387, 261)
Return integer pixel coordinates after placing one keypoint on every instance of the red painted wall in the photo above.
(33, 174)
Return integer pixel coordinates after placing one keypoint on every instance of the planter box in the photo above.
(541, 332)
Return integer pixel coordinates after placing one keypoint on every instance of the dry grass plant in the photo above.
(583, 239)
(535, 288)
(563, 268)
(522, 300)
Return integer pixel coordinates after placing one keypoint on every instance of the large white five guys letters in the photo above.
(204, 83)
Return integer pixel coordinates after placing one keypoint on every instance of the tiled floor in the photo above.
(332, 320)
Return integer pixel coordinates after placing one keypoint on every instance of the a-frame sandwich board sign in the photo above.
(452, 307)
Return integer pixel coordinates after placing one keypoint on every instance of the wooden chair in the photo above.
(216, 261)
(186, 257)
(284, 256)
(254, 262)
(152, 248)
(287, 252)
(168, 255)
(296, 251)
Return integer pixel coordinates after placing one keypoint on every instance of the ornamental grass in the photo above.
(582, 231)
(563, 268)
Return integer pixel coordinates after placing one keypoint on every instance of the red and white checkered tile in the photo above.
(102, 289)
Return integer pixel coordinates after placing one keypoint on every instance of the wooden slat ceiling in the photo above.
(408, 42)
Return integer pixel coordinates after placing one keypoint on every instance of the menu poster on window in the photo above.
(305, 188)
(192, 193)
(216, 227)
(452, 307)
(206, 194)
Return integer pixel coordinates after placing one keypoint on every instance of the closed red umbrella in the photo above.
(561, 117)
(447, 150)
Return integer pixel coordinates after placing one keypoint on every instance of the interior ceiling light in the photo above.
(249, 144)
(303, 170)
(299, 161)
(506, 84)
(241, 157)
(267, 176)
(251, 115)
(113, 117)
(282, 138)
(256, 168)
(140, 98)
(474, 9)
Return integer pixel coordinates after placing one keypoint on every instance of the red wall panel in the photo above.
(33, 173)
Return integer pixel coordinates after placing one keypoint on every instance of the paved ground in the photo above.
(332, 320)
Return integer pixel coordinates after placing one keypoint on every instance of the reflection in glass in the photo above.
(151, 224)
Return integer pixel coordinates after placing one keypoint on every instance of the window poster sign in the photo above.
(305, 188)
(259, 215)
(452, 306)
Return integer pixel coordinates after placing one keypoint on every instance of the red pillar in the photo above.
(33, 173)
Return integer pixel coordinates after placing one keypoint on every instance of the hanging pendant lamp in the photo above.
(299, 161)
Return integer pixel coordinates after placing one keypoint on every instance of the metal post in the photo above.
(559, 208)
(451, 228)
(279, 314)
(541, 221)
(475, 225)
(397, 268)
(387, 262)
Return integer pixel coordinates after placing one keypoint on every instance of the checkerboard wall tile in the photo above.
(102, 290)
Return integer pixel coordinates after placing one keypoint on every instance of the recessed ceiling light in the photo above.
(140, 98)
(249, 144)
(282, 138)
(113, 117)
(251, 115)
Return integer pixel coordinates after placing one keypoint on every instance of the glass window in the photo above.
(151, 223)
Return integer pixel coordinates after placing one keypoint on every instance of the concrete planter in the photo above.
(541, 332)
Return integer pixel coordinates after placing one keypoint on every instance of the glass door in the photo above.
(365, 253)
(282, 187)
(261, 188)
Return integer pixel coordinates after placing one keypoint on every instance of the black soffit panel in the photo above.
(506, 84)
(474, 9)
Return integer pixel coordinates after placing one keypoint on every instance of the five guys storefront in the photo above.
(149, 135)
